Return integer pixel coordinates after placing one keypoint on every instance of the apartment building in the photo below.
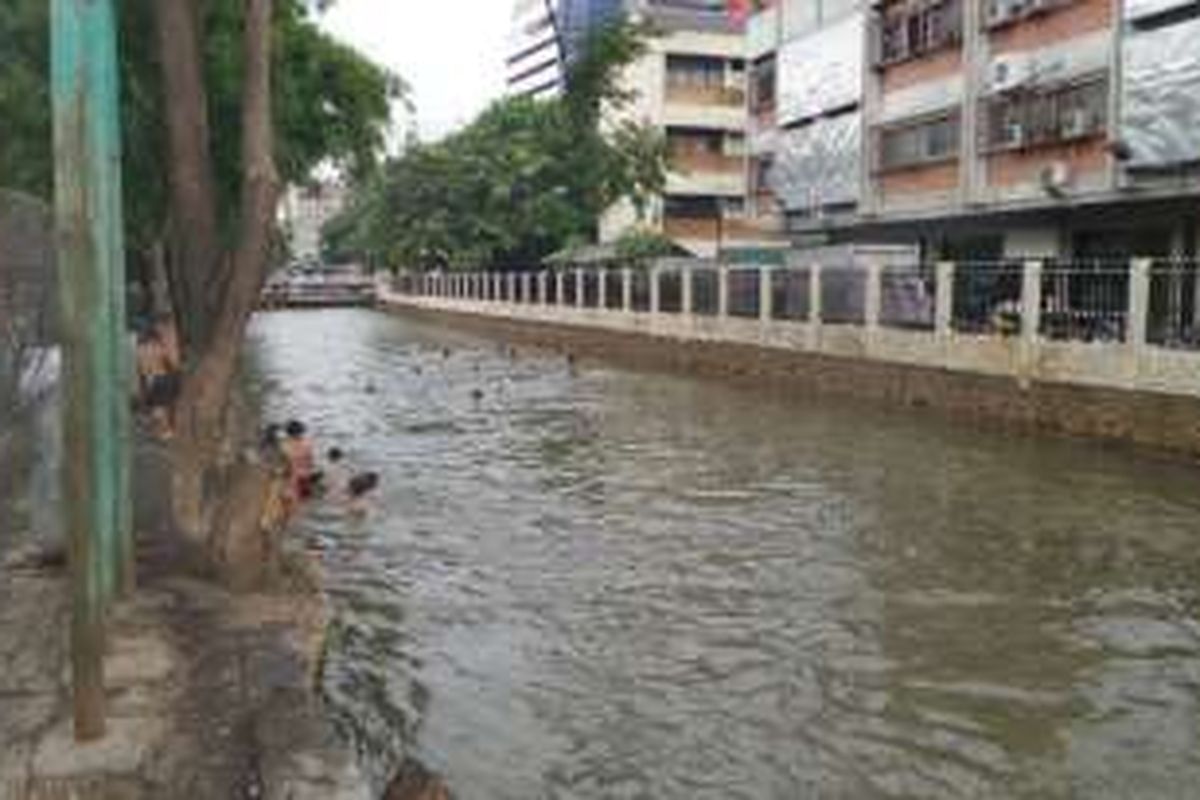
(987, 128)
(304, 211)
(534, 64)
(691, 84)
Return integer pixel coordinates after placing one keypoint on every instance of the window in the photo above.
(1043, 116)
(909, 30)
(920, 143)
(695, 72)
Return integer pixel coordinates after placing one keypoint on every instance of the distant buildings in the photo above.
(304, 212)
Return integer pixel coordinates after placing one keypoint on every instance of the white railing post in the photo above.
(687, 303)
(1031, 320)
(873, 297)
(542, 284)
(626, 289)
(943, 309)
(815, 307)
(722, 291)
(1139, 303)
(560, 284)
(579, 288)
(601, 289)
(510, 291)
(527, 287)
(765, 295)
(655, 288)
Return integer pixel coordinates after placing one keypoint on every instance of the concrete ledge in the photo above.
(1152, 400)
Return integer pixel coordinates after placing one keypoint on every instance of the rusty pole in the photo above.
(91, 262)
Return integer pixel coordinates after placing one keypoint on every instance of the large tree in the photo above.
(524, 179)
(223, 101)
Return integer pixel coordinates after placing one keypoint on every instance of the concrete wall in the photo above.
(1127, 391)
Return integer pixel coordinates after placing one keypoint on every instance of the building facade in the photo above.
(304, 212)
(534, 64)
(691, 85)
(983, 128)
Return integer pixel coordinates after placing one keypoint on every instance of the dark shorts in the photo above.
(163, 390)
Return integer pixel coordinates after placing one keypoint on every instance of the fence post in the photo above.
(943, 313)
(687, 303)
(765, 295)
(510, 287)
(873, 297)
(1139, 303)
(541, 287)
(815, 302)
(579, 287)
(655, 288)
(1031, 319)
(601, 289)
(527, 287)
(626, 289)
(722, 291)
(560, 283)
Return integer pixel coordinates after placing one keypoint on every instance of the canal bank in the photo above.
(1079, 389)
(210, 693)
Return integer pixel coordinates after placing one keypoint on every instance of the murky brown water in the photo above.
(628, 585)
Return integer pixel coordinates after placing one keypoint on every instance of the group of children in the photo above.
(305, 481)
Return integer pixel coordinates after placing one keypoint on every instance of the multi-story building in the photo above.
(304, 212)
(691, 85)
(990, 128)
(534, 65)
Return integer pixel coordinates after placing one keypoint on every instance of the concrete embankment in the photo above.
(767, 354)
(210, 694)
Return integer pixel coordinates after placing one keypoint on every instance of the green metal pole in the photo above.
(91, 269)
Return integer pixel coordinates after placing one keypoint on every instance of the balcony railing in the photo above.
(685, 94)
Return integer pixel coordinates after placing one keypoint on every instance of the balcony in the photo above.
(693, 161)
(721, 96)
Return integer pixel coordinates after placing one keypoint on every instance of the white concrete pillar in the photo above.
(655, 276)
(1139, 303)
(873, 296)
(722, 291)
(510, 287)
(765, 295)
(527, 287)
(1031, 301)
(601, 289)
(815, 307)
(542, 280)
(626, 289)
(1031, 321)
(943, 310)
(579, 288)
(560, 283)
(687, 302)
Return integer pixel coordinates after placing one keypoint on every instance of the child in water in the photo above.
(359, 491)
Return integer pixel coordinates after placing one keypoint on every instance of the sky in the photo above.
(450, 51)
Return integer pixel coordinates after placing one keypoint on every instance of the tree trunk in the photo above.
(213, 321)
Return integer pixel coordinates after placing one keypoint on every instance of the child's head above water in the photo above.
(335, 455)
(363, 484)
(295, 429)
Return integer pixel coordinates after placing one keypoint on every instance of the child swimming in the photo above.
(358, 492)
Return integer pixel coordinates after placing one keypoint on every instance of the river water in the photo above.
(620, 584)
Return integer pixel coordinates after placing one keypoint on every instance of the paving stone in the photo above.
(122, 751)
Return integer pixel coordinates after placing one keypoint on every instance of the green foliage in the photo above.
(640, 245)
(521, 181)
(331, 104)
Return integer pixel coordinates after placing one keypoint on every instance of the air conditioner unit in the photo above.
(1056, 177)
(1013, 135)
(1007, 73)
(998, 12)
